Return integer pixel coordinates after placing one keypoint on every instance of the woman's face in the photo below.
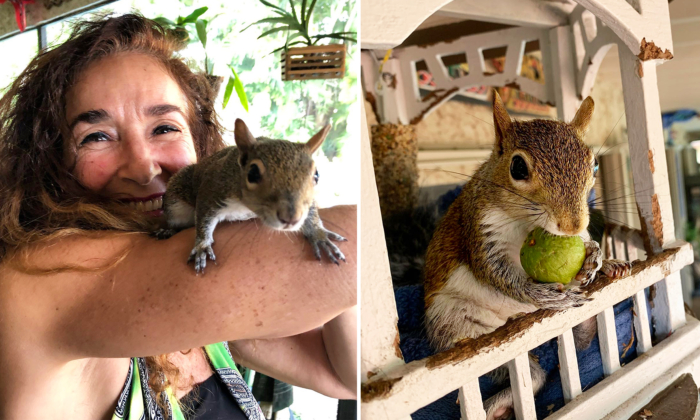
(129, 132)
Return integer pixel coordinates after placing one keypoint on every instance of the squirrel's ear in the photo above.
(318, 138)
(583, 116)
(501, 120)
(244, 138)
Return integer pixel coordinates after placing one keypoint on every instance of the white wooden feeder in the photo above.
(573, 39)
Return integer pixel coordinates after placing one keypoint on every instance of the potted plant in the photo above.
(182, 28)
(310, 61)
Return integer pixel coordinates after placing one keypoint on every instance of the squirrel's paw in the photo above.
(591, 265)
(616, 269)
(320, 240)
(163, 233)
(555, 296)
(199, 255)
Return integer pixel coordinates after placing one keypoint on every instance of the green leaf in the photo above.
(289, 20)
(288, 46)
(294, 12)
(180, 21)
(303, 11)
(164, 22)
(335, 33)
(274, 30)
(192, 18)
(335, 36)
(268, 4)
(202, 31)
(308, 14)
(294, 36)
(238, 85)
(227, 92)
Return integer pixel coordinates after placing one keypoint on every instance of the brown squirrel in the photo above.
(539, 174)
(273, 180)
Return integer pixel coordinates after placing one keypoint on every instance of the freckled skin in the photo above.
(130, 160)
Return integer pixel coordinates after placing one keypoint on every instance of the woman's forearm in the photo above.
(340, 340)
(265, 285)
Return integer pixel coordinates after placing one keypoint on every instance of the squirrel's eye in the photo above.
(595, 168)
(254, 174)
(316, 177)
(518, 168)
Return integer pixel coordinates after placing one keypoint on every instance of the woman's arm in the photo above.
(323, 359)
(265, 285)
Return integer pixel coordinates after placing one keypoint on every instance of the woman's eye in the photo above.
(518, 169)
(163, 129)
(93, 137)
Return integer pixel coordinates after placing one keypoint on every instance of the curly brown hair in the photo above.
(40, 199)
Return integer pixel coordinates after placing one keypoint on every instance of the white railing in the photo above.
(396, 393)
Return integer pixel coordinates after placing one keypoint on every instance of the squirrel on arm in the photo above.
(270, 179)
(539, 174)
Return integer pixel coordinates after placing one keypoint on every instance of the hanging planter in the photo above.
(302, 59)
(314, 62)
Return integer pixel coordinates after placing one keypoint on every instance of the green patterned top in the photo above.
(137, 400)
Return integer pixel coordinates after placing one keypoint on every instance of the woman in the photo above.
(90, 133)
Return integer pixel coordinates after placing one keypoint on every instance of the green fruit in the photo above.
(549, 258)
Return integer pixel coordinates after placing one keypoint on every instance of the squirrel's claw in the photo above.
(591, 265)
(199, 255)
(616, 269)
(163, 233)
(320, 239)
(335, 237)
(554, 296)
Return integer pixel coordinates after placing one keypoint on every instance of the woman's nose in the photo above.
(139, 162)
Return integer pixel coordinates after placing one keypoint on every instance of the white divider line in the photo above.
(521, 385)
(568, 366)
(470, 404)
(608, 341)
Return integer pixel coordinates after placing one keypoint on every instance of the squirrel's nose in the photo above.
(288, 219)
(570, 227)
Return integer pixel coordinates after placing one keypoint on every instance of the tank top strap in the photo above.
(137, 401)
(222, 362)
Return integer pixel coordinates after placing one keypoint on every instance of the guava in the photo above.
(550, 258)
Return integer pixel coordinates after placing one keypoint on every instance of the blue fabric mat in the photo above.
(414, 345)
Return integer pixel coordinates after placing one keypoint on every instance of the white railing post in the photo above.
(563, 72)
(379, 335)
(641, 314)
(607, 336)
(521, 386)
(568, 366)
(470, 404)
(647, 152)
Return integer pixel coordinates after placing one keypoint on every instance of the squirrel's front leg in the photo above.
(320, 238)
(205, 224)
(594, 263)
(553, 295)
